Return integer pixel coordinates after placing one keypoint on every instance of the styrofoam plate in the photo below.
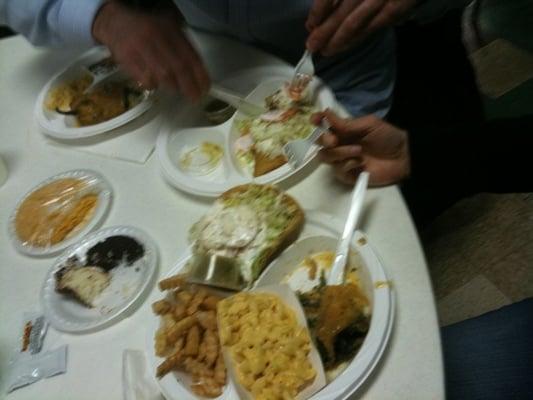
(175, 137)
(128, 287)
(382, 298)
(105, 193)
(374, 282)
(63, 126)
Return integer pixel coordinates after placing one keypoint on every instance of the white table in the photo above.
(412, 365)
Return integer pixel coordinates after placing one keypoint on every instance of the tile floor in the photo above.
(480, 251)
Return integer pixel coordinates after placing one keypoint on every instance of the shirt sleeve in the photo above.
(51, 22)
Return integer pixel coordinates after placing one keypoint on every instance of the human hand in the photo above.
(370, 144)
(336, 25)
(152, 48)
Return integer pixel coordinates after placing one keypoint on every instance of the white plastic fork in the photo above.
(296, 150)
(304, 71)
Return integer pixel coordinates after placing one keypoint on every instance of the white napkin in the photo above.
(137, 382)
(133, 142)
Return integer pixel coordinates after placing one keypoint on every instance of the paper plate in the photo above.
(61, 126)
(381, 296)
(174, 140)
(128, 287)
(374, 283)
(105, 194)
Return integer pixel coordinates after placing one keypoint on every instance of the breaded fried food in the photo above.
(264, 163)
(190, 341)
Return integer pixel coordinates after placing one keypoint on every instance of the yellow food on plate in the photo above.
(188, 336)
(102, 103)
(269, 349)
(54, 212)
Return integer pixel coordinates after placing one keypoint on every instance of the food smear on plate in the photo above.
(188, 336)
(55, 212)
(115, 250)
(101, 103)
(268, 348)
(249, 224)
(202, 159)
(288, 119)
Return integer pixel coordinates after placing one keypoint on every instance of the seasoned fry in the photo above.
(180, 328)
(193, 342)
(220, 370)
(195, 302)
(207, 319)
(161, 307)
(188, 336)
(207, 388)
(183, 298)
(168, 321)
(160, 343)
(178, 346)
(179, 311)
(197, 368)
(211, 347)
(172, 282)
(210, 303)
(169, 364)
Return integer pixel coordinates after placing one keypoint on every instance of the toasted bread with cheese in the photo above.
(251, 223)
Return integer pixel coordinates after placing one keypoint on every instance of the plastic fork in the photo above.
(101, 71)
(303, 72)
(236, 100)
(336, 275)
(296, 150)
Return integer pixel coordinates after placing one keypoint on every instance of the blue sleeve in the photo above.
(51, 22)
(363, 77)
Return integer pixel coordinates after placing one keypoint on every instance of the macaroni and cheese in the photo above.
(268, 348)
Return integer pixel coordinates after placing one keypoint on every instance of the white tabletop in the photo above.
(412, 365)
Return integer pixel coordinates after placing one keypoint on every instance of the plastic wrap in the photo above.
(27, 364)
(56, 212)
(27, 369)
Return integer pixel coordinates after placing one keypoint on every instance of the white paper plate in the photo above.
(128, 287)
(63, 126)
(357, 372)
(173, 139)
(380, 296)
(104, 201)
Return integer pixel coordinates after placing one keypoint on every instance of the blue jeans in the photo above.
(491, 356)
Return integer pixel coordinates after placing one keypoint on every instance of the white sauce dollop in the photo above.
(232, 227)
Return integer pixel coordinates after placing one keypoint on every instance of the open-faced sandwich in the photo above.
(249, 225)
(260, 145)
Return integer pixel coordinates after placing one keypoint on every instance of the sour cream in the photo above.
(232, 227)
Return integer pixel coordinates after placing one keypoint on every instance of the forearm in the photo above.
(51, 22)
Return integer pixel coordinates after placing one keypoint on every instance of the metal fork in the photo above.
(303, 72)
(296, 150)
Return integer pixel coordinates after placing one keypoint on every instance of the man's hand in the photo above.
(152, 48)
(364, 144)
(336, 25)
